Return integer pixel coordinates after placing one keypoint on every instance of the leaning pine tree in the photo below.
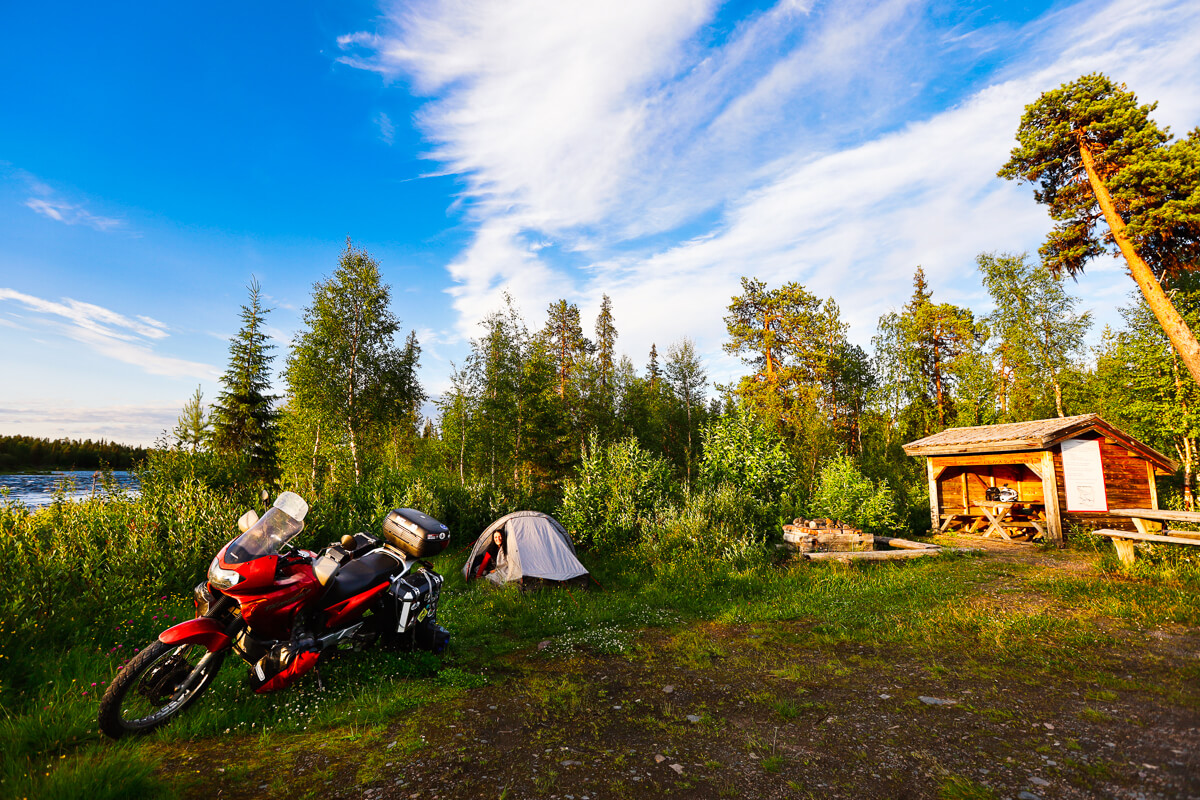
(1095, 154)
(245, 422)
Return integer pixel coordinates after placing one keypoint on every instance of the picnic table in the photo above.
(1007, 520)
(1152, 526)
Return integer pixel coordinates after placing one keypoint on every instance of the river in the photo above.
(37, 490)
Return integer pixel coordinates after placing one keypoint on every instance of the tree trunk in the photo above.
(1182, 338)
(937, 385)
(688, 459)
(767, 318)
(1189, 452)
(1058, 397)
(316, 445)
(350, 398)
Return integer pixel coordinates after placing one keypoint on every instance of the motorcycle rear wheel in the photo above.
(149, 690)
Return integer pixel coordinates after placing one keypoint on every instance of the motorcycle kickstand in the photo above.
(317, 673)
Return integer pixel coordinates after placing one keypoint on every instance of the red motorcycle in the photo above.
(283, 612)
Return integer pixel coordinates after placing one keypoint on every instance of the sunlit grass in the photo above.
(60, 646)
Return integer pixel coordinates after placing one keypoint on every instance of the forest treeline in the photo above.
(551, 415)
(33, 453)
(544, 413)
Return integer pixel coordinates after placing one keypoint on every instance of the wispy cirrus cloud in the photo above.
(387, 129)
(665, 151)
(71, 214)
(107, 332)
(49, 202)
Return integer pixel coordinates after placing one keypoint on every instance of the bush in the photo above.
(846, 495)
(742, 452)
(716, 524)
(618, 489)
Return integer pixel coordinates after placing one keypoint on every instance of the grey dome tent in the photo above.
(536, 550)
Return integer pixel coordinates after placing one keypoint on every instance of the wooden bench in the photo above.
(1124, 541)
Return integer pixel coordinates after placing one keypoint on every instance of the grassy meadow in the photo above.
(89, 583)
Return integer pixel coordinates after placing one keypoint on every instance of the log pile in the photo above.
(806, 536)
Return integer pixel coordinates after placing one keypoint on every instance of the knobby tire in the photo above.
(128, 684)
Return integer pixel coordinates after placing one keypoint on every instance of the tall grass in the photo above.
(88, 583)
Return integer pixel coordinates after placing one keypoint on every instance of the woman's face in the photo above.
(496, 538)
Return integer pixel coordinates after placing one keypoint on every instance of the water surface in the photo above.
(37, 490)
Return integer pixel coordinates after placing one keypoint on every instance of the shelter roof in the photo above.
(1038, 434)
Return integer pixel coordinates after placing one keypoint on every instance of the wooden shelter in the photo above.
(1104, 468)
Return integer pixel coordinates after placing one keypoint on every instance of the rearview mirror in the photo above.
(247, 520)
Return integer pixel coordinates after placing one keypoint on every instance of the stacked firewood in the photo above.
(807, 535)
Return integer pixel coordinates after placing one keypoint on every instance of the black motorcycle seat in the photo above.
(361, 574)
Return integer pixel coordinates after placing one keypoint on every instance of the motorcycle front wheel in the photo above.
(156, 685)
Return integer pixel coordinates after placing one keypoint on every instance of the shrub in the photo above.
(845, 494)
(618, 488)
(714, 524)
(742, 452)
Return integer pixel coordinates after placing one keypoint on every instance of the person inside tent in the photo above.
(485, 562)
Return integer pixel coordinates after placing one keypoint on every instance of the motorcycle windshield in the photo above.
(265, 538)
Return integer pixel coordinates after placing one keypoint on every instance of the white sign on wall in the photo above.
(1083, 475)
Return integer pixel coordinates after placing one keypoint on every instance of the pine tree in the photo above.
(245, 422)
(935, 335)
(564, 337)
(1094, 154)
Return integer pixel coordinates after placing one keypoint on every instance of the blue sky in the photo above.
(152, 161)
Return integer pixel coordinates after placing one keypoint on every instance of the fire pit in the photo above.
(813, 535)
(821, 539)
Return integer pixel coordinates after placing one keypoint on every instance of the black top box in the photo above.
(414, 532)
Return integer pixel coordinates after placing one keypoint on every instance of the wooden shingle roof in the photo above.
(1038, 434)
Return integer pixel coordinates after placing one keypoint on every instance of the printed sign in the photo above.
(1083, 475)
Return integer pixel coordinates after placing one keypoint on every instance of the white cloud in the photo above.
(541, 104)
(387, 130)
(70, 214)
(126, 424)
(107, 332)
(499, 261)
(788, 151)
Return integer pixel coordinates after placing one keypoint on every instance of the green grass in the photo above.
(956, 787)
(58, 648)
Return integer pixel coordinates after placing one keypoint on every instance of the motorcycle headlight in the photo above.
(220, 577)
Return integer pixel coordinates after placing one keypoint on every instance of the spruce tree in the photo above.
(245, 422)
(193, 428)
(687, 378)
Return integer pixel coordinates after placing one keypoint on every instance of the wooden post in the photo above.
(1125, 551)
(1050, 495)
(1153, 485)
(933, 496)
